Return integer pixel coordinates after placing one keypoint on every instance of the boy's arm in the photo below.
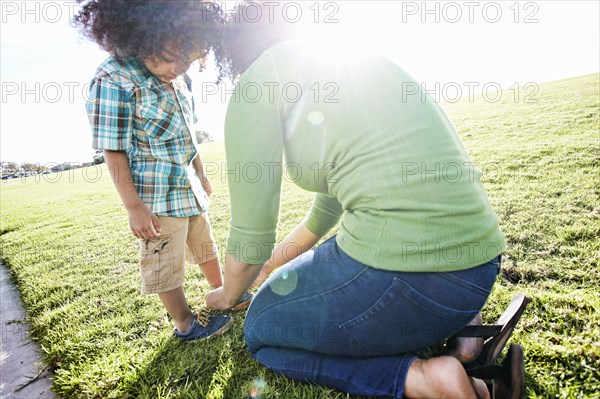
(143, 223)
(200, 170)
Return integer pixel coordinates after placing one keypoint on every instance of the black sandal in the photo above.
(509, 376)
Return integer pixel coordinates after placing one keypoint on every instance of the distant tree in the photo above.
(33, 168)
(27, 167)
(203, 137)
(99, 157)
(11, 167)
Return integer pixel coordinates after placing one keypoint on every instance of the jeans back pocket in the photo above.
(403, 320)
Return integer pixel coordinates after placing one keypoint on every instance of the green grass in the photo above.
(68, 246)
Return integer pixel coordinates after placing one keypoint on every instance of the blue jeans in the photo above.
(331, 320)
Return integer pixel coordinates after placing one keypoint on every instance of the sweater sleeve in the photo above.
(325, 212)
(254, 152)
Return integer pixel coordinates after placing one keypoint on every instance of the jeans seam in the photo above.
(309, 376)
(430, 305)
(284, 302)
(463, 283)
(354, 338)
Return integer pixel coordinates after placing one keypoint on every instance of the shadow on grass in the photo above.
(217, 368)
(214, 368)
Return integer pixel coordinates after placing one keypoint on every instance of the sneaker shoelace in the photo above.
(203, 319)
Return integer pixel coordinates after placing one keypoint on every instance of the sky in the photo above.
(452, 47)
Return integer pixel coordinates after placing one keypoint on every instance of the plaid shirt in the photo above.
(131, 110)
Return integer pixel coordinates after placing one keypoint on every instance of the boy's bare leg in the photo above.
(467, 348)
(177, 307)
(212, 272)
(441, 377)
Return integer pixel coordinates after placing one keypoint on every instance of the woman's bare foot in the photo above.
(480, 388)
(467, 348)
(440, 377)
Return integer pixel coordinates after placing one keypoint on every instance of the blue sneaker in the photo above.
(244, 302)
(205, 326)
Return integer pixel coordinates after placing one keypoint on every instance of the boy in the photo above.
(141, 111)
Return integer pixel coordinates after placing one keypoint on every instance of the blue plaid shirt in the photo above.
(131, 110)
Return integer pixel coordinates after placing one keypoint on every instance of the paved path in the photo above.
(19, 356)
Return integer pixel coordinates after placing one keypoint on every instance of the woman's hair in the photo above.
(249, 30)
(143, 29)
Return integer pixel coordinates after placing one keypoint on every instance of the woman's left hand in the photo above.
(214, 300)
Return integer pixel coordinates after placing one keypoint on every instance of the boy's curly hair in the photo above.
(142, 28)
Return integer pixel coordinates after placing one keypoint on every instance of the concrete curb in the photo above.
(20, 360)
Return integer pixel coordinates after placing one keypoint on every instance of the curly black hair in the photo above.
(249, 30)
(143, 28)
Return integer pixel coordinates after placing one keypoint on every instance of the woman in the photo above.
(418, 248)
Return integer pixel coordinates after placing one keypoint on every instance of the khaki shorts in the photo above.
(162, 259)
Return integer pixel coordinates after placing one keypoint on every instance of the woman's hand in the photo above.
(237, 278)
(215, 300)
(143, 223)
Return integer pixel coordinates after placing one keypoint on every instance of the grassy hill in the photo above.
(66, 240)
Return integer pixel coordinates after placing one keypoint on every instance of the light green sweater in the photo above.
(385, 160)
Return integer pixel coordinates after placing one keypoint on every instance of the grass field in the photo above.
(66, 240)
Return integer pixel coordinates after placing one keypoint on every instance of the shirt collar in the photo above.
(144, 77)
